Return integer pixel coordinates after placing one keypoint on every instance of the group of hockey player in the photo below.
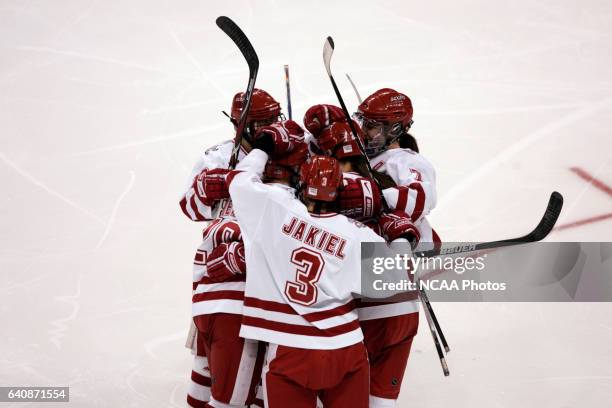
(276, 282)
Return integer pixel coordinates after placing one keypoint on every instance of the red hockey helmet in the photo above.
(384, 116)
(263, 107)
(321, 178)
(347, 145)
(388, 106)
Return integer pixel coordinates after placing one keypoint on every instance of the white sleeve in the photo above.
(249, 194)
(415, 193)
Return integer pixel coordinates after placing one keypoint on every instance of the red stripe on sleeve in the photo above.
(420, 201)
(183, 204)
(402, 198)
(194, 207)
(230, 176)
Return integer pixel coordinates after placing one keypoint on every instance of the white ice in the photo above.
(105, 106)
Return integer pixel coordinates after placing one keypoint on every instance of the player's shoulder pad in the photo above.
(405, 157)
(218, 156)
(356, 223)
(219, 148)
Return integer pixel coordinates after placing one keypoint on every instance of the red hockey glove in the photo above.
(210, 186)
(399, 225)
(318, 117)
(332, 135)
(225, 261)
(278, 139)
(359, 198)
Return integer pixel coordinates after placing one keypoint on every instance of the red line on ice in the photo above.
(584, 221)
(591, 179)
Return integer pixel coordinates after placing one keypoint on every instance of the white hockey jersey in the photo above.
(376, 309)
(214, 157)
(415, 194)
(415, 177)
(302, 268)
(216, 297)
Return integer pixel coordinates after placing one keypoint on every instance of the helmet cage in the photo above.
(380, 134)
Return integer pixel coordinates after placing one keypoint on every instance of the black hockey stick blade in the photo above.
(240, 39)
(541, 231)
(244, 45)
(544, 227)
(548, 221)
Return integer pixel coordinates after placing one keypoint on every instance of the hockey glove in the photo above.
(398, 224)
(225, 261)
(278, 139)
(359, 198)
(210, 186)
(318, 117)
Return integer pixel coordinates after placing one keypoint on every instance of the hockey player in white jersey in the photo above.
(307, 259)
(385, 117)
(234, 362)
(264, 110)
(199, 203)
(389, 327)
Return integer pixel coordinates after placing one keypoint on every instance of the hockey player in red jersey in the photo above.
(200, 203)
(389, 328)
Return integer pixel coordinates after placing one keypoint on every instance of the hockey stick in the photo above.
(354, 88)
(248, 52)
(288, 91)
(244, 45)
(328, 51)
(546, 224)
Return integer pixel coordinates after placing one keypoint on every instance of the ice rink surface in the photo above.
(105, 106)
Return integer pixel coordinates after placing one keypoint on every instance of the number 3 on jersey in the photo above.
(309, 267)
